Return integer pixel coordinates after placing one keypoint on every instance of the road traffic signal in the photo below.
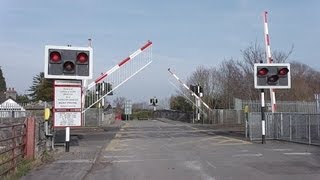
(197, 89)
(275, 75)
(65, 62)
(153, 101)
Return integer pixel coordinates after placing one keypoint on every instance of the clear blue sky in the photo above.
(185, 34)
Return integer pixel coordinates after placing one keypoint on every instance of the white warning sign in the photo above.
(67, 119)
(67, 97)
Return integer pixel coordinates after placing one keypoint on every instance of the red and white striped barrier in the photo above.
(269, 59)
(124, 61)
(193, 94)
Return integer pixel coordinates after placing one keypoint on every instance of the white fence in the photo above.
(12, 111)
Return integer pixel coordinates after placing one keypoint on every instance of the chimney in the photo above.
(11, 93)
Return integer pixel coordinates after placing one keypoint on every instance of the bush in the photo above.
(142, 115)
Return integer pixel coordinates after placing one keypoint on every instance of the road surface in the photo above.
(165, 150)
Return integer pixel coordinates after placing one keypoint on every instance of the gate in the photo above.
(12, 146)
(116, 76)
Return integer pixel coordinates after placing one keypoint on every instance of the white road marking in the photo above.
(118, 156)
(196, 166)
(141, 160)
(298, 153)
(247, 155)
(211, 164)
(244, 150)
(74, 161)
(281, 149)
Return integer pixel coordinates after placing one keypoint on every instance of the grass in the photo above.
(25, 165)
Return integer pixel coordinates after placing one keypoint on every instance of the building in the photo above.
(11, 109)
(11, 93)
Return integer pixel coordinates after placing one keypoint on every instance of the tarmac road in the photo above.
(165, 150)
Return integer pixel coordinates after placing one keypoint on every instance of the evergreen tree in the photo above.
(21, 99)
(41, 88)
(3, 86)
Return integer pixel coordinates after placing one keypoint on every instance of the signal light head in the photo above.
(273, 75)
(263, 72)
(283, 71)
(68, 67)
(82, 57)
(66, 62)
(273, 79)
(55, 57)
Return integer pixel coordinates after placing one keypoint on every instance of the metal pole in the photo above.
(306, 123)
(309, 130)
(318, 120)
(67, 139)
(281, 125)
(290, 127)
(263, 121)
(247, 118)
(194, 111)
(198, 110)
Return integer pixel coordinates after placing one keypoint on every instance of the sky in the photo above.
(185, 34)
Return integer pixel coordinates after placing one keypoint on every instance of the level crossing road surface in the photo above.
(169, 150)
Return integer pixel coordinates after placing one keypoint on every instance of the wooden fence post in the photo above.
(30, 137)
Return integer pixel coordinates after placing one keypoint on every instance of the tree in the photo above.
(41, 88)
(3, 85)
(119, 103)
(180, 103)
(234, 78)
(305, 82)
(21, 99)
(208, 79)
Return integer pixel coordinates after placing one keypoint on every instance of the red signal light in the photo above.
(55, 57)
(82, 57)
(263, 72)
(283, 71)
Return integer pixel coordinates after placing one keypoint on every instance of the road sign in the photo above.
(67, 103)
(127, 108)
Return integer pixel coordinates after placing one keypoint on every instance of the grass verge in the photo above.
(26, 165)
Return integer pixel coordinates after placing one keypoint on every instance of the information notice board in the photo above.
(67, 103)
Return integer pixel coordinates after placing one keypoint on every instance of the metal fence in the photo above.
(223, 116)
(212, 116)
(294, 127)
(282, 106)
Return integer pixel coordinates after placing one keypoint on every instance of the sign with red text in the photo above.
(67, 103)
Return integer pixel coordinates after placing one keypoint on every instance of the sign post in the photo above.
(67, 106)
(127, 109)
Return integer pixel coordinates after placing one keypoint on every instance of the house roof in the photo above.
(10, 104)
